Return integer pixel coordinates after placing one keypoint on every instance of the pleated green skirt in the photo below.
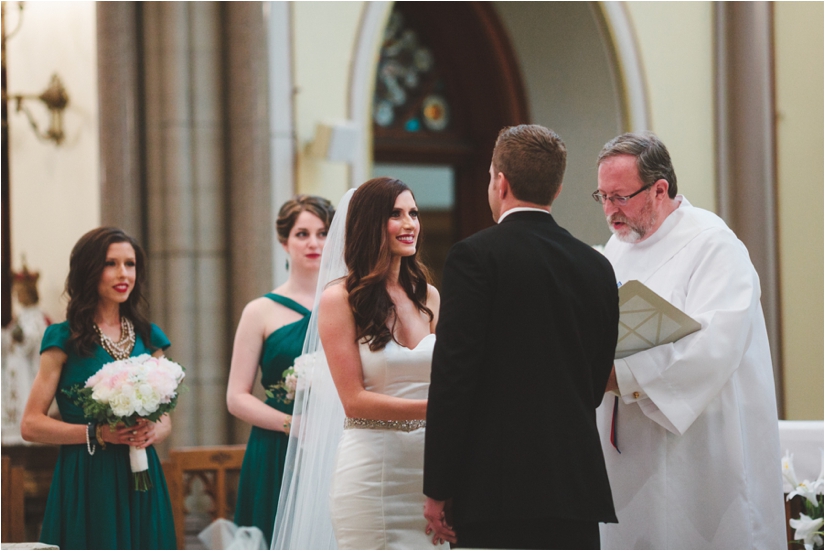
(259, 486)
(92, 505)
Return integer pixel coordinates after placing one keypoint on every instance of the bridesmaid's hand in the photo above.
(141, 435)
(156, 432)
(130, 436)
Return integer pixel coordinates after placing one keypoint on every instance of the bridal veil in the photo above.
(303, 519)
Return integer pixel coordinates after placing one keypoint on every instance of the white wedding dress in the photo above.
(376, 497)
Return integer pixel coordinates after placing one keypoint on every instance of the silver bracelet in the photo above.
(89, 446)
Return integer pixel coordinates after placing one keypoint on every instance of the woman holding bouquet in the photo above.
(92, 502)
(270, 335)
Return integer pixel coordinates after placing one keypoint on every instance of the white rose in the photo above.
(291, 381)
(148, 400)
(101, 394)
(122, 405)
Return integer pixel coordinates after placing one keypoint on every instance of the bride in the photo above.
(375, 327)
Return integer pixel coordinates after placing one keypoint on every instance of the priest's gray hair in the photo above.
(652, 157)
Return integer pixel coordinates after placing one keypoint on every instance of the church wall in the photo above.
(324, 37)
(675, 41)
(570, 89)
(54, 189)
(799, 124)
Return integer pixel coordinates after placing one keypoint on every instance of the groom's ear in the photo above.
(503, 186)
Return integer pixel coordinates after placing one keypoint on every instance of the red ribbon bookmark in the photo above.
(614, 439)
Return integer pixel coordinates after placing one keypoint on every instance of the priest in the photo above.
(689, 429)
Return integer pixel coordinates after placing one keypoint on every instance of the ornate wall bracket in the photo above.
(55, 98)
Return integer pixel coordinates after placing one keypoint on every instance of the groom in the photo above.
(524, 347)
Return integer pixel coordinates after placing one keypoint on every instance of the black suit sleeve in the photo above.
(603, 360)
(462, 328)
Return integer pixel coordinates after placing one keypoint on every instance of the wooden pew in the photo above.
(13, 527)
(210, 465)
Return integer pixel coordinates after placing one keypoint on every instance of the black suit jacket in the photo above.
(525, 342)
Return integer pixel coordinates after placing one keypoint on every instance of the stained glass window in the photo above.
(409, 92)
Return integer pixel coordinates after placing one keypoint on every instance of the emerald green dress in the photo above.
(263, 464)
(91, 503)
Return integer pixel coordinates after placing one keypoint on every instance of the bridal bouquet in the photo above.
(809, 524)
(284, 391)
(124, 391)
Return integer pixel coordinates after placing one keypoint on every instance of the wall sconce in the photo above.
(335, 141)
(56, 99)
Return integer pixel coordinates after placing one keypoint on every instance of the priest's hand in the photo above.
(612, 384)
(436, 515)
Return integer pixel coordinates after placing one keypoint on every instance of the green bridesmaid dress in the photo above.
(91, 503)
(263, 465)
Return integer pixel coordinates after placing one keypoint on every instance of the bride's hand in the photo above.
(437, 522)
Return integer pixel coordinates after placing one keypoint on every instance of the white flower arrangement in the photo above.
(294, 376)
(808, 527)
(123, 391)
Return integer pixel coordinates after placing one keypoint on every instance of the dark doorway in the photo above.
(447, 82)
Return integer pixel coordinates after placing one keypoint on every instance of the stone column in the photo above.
(252, 226)
(121, 171)
(185, 200)
(214, 335)
(746, 147)
(185, 165)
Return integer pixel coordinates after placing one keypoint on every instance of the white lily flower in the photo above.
(819, 485)
(807, 530)
(787, 470)
(807, 490)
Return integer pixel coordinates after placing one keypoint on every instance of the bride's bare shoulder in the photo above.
(432, 295)
(334, 312)
(334, 295)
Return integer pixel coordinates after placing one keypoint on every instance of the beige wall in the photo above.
(325, 35)
(676, 44)
(566, 74)
(799, 101)
(54, 190)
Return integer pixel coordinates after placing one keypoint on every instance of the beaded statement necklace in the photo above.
(122, 349)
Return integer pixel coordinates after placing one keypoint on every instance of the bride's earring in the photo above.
(287, 264)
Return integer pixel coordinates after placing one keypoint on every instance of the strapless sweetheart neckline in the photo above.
(417, 345)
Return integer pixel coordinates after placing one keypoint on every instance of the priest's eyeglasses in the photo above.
(617, 200)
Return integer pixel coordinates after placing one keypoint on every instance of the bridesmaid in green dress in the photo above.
(271, 335)
(91, 503)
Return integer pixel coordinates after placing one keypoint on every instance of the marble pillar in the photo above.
(746, 148)
(121, 171)
(251, 216)
(185, 163)
(186, 211)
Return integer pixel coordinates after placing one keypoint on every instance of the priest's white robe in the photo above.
(697, 426)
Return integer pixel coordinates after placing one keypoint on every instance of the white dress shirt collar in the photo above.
(519, 209)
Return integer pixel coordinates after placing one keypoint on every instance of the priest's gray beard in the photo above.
(637, 228)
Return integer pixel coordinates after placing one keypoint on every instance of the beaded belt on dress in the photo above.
(405, 426)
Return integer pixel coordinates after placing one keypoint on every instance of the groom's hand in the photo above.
(434, 512)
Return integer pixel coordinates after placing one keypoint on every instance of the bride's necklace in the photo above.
(122, 349)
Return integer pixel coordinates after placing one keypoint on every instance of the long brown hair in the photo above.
(86, 264)
(369, 260)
